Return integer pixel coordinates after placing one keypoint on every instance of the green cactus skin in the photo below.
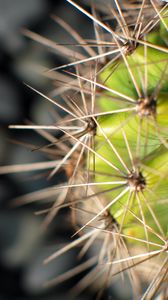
(151, 133)
(141, 212)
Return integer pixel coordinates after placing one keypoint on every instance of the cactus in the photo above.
(113, 147)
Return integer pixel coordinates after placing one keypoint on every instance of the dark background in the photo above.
(22, 247)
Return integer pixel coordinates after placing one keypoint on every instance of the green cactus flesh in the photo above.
(143, 130)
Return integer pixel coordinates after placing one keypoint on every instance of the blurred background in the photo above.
(23, 248)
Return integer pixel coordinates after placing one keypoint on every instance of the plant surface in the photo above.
(112, 145)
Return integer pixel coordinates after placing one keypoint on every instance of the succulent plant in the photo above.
(112, 144)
